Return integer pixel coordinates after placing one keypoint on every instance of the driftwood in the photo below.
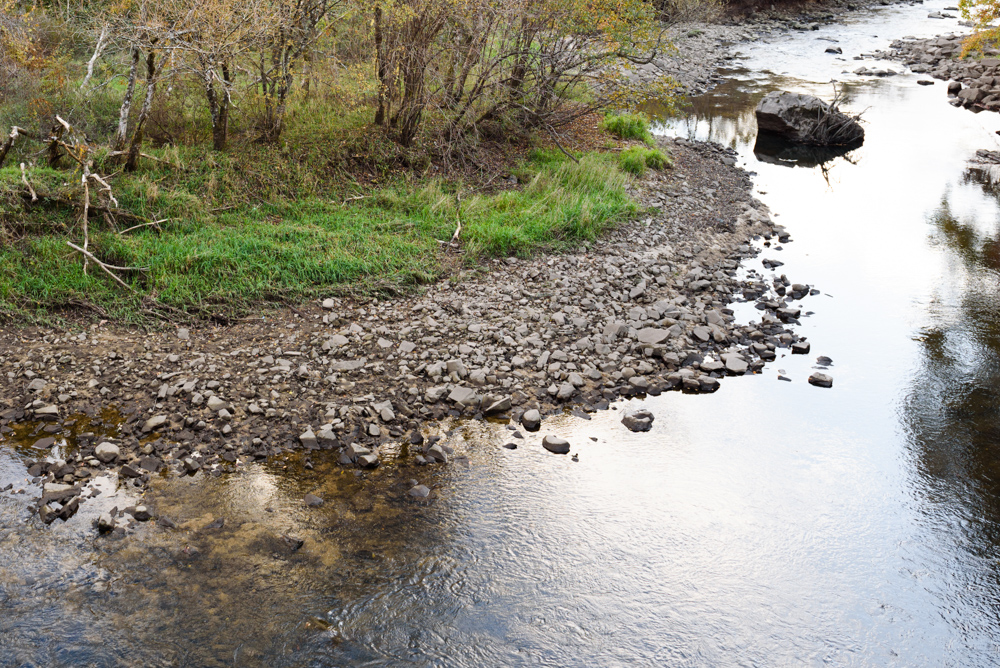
(24, 178)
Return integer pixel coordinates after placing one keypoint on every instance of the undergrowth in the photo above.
(223, 252)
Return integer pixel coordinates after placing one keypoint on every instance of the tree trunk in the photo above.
(380, 113)
(147, 105)
(121, 137)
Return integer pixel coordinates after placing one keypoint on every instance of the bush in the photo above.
(628, 126)
(636, 159)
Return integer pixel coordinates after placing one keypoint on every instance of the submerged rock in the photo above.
(556, 445)
(806, 119)
(640, 420)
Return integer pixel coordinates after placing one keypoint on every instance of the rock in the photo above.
(800, 348)
(420, 491)
(795, 117)
(735, 365)
(349, 365)
(308, 439)
(954, 88)
(329, 304)
(821, 380)
(312, 500)
(107, 452)
(834, 50)
(497, 406)
(44, 443)
(141, 513)
(437, 453)
(215, 404)
(531, 420)
(652, 335)
(106, 523)
(640, 420)
(925, 82)
(465, 396)
(36, 385)
(183, 334)
(556, 445)
(47, 411)
(154, 423)
(566, 390)
(129, 471)
(368, 461)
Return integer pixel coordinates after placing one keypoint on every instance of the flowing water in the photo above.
(772, 523)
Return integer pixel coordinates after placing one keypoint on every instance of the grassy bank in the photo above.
(226, 259)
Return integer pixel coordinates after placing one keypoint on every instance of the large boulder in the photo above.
(805, 119)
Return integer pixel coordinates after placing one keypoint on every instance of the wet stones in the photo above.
(531, 420)
(312, 501)
(556, 445)
(821, 380)
(638, 421)
(420, 491)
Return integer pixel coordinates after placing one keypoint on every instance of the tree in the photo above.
(983, 13)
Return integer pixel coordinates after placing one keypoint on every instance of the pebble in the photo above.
(556, 445)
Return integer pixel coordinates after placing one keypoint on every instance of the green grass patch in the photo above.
(633, 126)
(206, 260)
(635, 160)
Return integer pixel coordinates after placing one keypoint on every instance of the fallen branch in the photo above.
(24, 177)
(107, 267)
(155, 223)
(145, 155)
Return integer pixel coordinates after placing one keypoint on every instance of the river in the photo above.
(771, 523)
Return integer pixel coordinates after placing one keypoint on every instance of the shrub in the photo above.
(628, 126)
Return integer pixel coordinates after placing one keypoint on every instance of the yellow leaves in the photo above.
(983, 13)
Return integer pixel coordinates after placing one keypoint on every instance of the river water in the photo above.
(772, 523)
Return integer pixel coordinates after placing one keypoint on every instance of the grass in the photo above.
(629, 126)
(635, 160)
(295, 248)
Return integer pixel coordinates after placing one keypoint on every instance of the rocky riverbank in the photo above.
(973, 83)
(642, 311)
(701, 49)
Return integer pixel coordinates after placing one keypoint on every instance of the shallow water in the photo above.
(772, 523)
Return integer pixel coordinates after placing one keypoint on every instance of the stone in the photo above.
(652, 335)
(556, 445)
(465, 396)
(368, 461)
(183, 334)
(566, 390)
(216, 404)
(800, 348)
(349, 365)
(36, 385)
(312, 500)
(47, 411)
(106, 523)
(329, 304)
(437, 453)
(795, 117)
(531, 420)
(308, 439)
(497, 406)
(44, 443)
(420, 491)
(141, 513)
(154, 423)
(821, 380)
(640, 420)
(107, 452)
(735, 365)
